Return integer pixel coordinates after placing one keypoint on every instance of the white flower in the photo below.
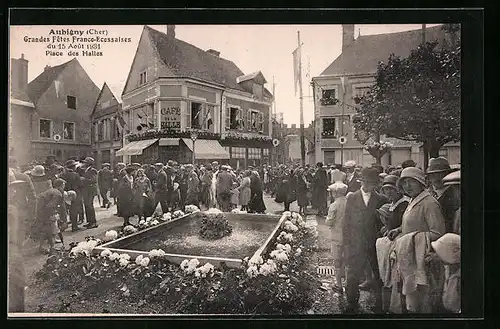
(111, 235)
(235, 211)
(144, 262)
(156, 253)
(298, 252)
(138, 259)
(288, 248)
(213, 211)
(125, 256)
(280, 255)
(184, 264)
(155, 222)
(123, 262)
(84, 247)
(192, 209)
(287, 214)
(289, 226)
(105, 253)
(295, 215)
(178, 213)
(142, 222)
(203, 271)
(114, 256)
(197, 274)
(252, 271)
(191, 265)
(256, 261)
(129, 229)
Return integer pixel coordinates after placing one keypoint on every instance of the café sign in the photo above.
(170, 117)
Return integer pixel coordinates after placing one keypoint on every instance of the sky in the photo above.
(265, 48)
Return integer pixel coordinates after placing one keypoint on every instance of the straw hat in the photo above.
(350, 164)
(447, 248)
(452, 179)
(89, 160)
(437, 165)
(412, 172)
(38, 171)
(338, 187)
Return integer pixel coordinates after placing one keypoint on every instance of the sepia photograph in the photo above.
(190, 169)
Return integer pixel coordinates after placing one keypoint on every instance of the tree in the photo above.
(415, 98)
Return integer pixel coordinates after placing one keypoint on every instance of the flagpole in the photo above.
(302, 140)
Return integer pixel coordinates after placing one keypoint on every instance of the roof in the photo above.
(364, 54)
(186, 60)
(109, 109)
(38, 86)
(251, 76)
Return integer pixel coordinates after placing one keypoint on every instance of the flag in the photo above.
(296, 68)
(121, 121)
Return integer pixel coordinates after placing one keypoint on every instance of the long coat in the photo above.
(256, 203)
(125, 195)
(41, 184)
(424, 214)
(245, 191)
(193, 188)
(361, 227)
(302, 199)
(449, 206)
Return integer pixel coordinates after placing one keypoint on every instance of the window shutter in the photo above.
(92, 132)
(249, 120)
(227, 118)
(261, 122)
(188, 115)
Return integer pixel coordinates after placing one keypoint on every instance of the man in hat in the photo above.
(74, 183)
(438, 168)
(161, 188)
(26, 209)
(408, 163)
(320, 189)
(360, 231)
(352, 179)
(223, 189)
(105, 181)
(89, 191)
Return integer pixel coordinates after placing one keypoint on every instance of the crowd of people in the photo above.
(394, 231)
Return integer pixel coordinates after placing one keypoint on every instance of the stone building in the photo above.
(106, 131)
(174, 87)
(64, 97)
(351, 75)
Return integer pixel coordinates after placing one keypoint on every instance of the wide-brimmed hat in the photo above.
(369, 175)
(136, 164)
(338, 187)
(412, 172)
(38, 171)
(382, 175)
(390, 181)
(408, 163)
(158, 164)
(70, 163)
(452, 179)
(106, 165)
(89, 160)
(437, 165)
(447, 248)
(130, 169)
(350, 164)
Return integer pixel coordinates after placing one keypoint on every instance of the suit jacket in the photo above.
(361, 225)
(161, 183)
(224, 182)
(73, 181)
(353, 185)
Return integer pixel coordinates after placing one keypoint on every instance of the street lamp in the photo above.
(194, 137)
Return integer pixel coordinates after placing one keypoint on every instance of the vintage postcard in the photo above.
(234, 169)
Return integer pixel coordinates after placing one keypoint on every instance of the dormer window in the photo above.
(143, 78)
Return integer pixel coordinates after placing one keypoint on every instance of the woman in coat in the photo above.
(256, 204)
(193, 186)
(114, 186)
(245, 191)
(206, 187)
(302, 189)
(423, 214)
(41, 182)
(125, 194)
(142, 185)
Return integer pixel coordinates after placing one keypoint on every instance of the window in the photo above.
(329, 128)
(360, 92)
(253, 153)
(256, 121)
(329, 97)
(100, 131)
(236, 121)
(196, 115)
(71, 101)
(238, 153)
(142, 78)
(266, 152)
(69, 130)
(45, 128)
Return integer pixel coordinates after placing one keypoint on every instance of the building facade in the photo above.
(174, 88)
(350, 76)
(64, 97)
(20, 113)
(106, 131)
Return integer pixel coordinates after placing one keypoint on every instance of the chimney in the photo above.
(347, 35)
(46, 67)
(213, 52)
(19, 76)
(171, 31)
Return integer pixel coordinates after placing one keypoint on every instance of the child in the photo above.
(334, 219)
(447, 248)
(70, 198)
(235, 195)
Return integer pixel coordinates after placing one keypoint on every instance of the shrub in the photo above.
(214, 226)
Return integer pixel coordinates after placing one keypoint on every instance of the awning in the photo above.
(135, 148)
(206, 149)
(169, 142)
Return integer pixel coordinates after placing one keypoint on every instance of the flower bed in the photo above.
(214, 226)
(279, 282)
